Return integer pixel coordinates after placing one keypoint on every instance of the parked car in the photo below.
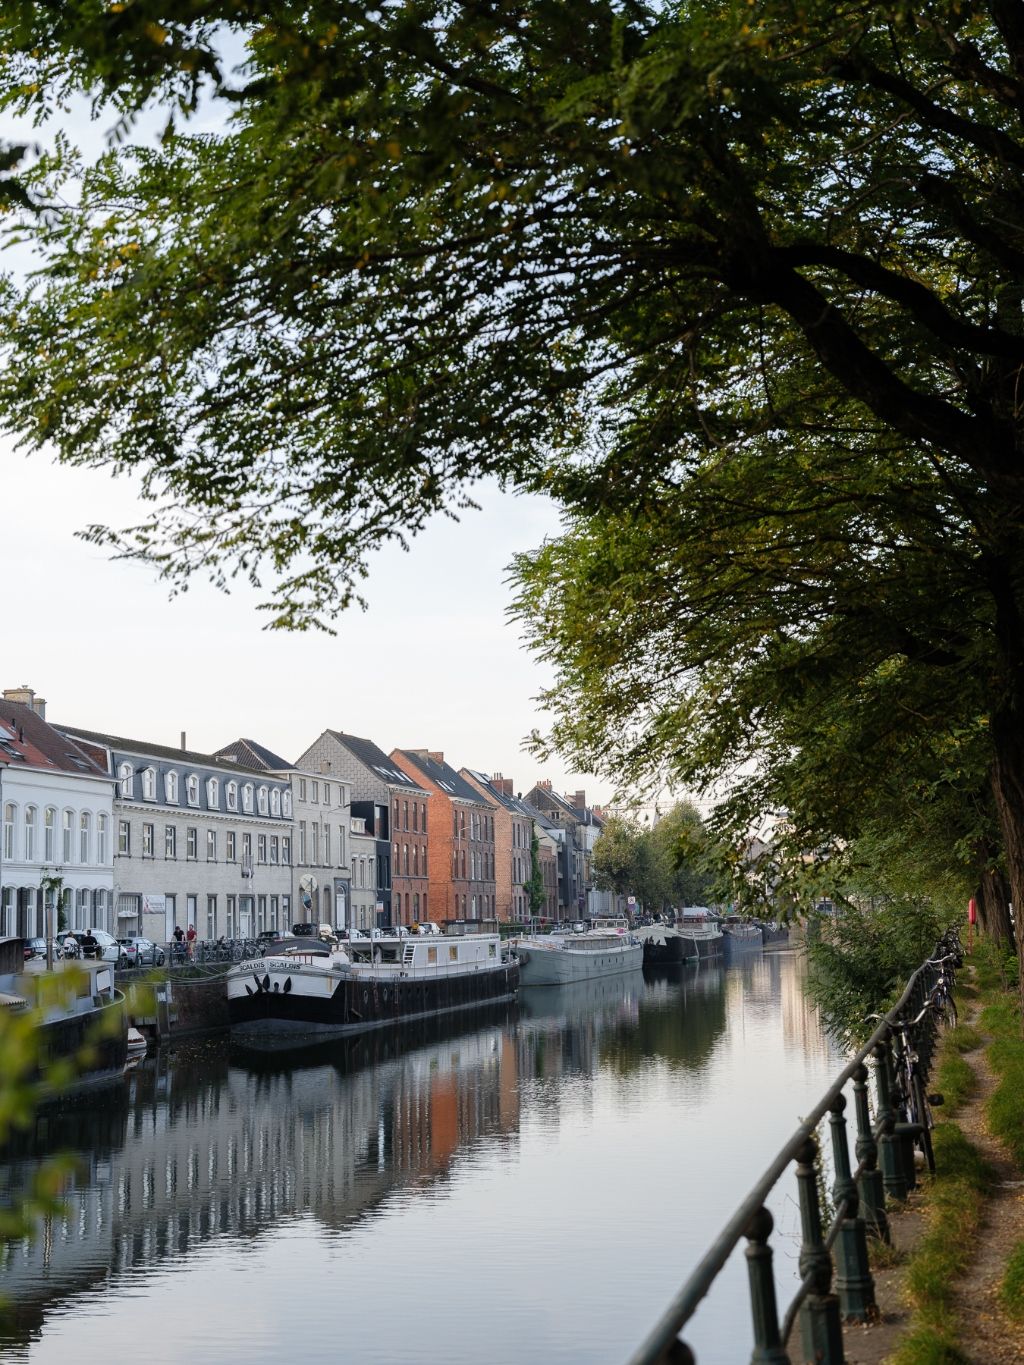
(35, 947)
(142, 952)
(101, 945)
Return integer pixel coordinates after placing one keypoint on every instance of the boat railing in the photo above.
(886, 1171)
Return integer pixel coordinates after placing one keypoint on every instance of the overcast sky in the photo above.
(432, 664)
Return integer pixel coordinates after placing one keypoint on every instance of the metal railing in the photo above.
(886, 1168)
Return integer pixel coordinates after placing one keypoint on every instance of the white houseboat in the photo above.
(554, 959)
(304, 987)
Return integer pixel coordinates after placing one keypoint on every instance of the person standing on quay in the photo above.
(191, 939)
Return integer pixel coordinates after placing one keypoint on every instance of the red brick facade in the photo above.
(410, 876)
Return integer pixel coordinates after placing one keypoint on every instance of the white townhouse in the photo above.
(57, 831)
(197, 840)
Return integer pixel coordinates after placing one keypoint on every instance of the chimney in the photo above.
(502, 784)
(437, 756)
(26, 697)
(545, 784)
(184, 746)
(580, 801)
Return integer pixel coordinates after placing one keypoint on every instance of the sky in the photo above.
(433, 663)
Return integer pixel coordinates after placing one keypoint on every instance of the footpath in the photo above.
(965, 1317)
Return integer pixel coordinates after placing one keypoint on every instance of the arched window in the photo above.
(67, 832)
(84, 836)
(192, 789)
(286, 805)
(171, 788)
(231, 795)
(247, 795)
(101, 839)
(213, 793)
(261, 800)
(148, 784)
(49, 835)
(10, 815)
(30, 834)
(124, 776)
(275, 801)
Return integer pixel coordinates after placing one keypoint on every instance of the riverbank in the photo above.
(951, 1294)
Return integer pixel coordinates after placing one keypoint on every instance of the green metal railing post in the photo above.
(869, 1184)
(890, 1153)
(768, 1348)
(820, 1328)
(854, 1284)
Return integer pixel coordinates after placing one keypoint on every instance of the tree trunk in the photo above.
(1008, 790)
(993, 899)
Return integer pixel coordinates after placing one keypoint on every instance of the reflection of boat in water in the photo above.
(302, 987)
(78, 1015)
(575, 1000)
(741, 936)
(556, 959)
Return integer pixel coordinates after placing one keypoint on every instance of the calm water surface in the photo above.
(527, 1185)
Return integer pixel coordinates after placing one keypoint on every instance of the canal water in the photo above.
(533, 1184)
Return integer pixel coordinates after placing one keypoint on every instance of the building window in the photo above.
(286, 909)
(261, 800)
(67, 833)
(30, 834)
(302, 789)
(84, 836)
(314, 842)
(415, 907)
(316, 792)
(275, 801)
(416, 816)
(274, 848)
(247, 795)
(261, 848)
(232, 913)
(286, 805)
(229, 840)
(286, 850)
(423, 818)
(124, 837)
(49, 834)
(101, 839)
(405, 852)
(10, 812)
(213, 793)
(191, 910)
(124, 779)
(171, 788)
(170, 841)
(247, 852)
(211, 917)
(261, 913)
(211, 845)
(192, 789)
(327, 845)
(147, 841)
(231, 795)
(149, 784)
(274, 914)
(192, 843)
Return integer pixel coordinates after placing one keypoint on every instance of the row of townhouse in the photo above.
(138, 837)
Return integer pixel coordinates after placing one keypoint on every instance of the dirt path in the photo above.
(987, 1335)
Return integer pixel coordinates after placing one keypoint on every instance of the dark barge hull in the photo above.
(359, 1005)
(698, 949)
(671, 952)
(96, 1042)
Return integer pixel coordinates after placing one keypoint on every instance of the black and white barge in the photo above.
(304, 987)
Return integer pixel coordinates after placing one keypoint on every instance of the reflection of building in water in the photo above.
(801, 1022)
(208, 1148)
(569, 1030)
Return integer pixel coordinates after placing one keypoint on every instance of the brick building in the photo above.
(513, 832)
(461, 839)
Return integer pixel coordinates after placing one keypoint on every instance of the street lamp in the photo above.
(51, 885)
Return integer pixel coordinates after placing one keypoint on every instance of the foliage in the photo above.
(1011, 1291)
(662, 864)
(861, 960)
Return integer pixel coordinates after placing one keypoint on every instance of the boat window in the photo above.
(492, 950)
(431, 954)
(453, 952)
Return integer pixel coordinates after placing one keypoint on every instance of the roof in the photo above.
(146, 750)
(512, 803)
(443, 775)
(370, 756)
(246, 753)
(26, 738)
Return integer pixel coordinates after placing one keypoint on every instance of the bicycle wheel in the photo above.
(922, 1116)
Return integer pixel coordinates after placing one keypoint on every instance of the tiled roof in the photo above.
(246, 753)
(376, 760)
(443, 775)
(27, 738)
(514, 803)
(143, 748)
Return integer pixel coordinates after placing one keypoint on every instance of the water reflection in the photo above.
(215, 1150)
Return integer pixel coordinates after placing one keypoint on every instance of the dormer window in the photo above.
(171, 788)
(275, 801)
(261, 799)
(213, 793)
(231, 795)
(149, 784)
(124, 778)
(286, 805)
(247, 795)
(192, 789)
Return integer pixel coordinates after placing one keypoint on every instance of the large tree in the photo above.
(740, 283)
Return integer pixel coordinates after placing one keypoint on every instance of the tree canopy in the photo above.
(739, 283)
